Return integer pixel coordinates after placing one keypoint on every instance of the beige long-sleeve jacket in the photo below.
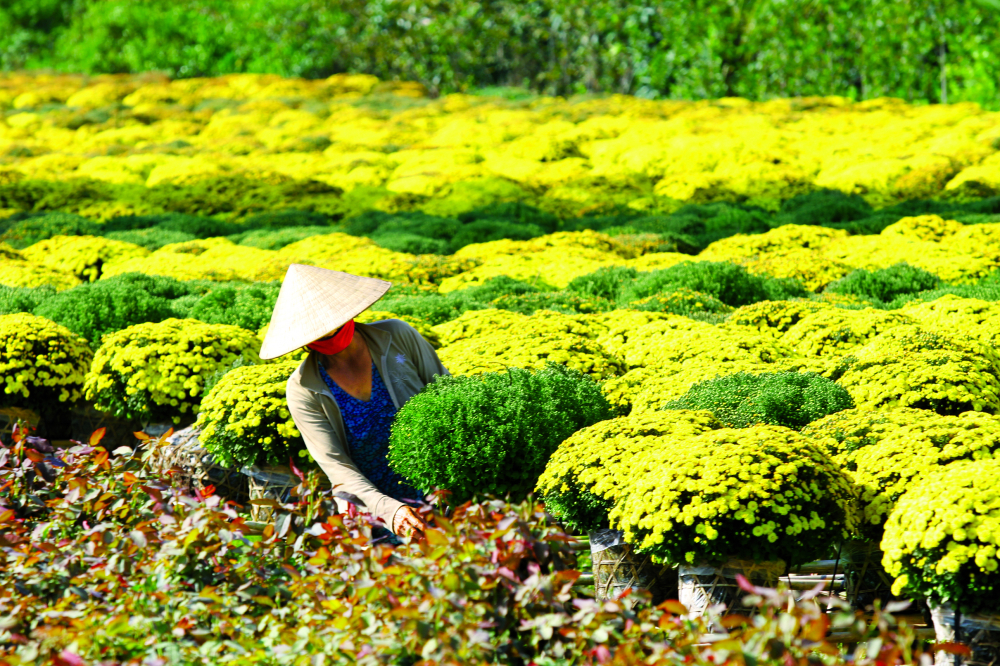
(406, 362)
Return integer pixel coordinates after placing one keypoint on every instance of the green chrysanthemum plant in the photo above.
(942, 538)
(763, 493)
(157, 372)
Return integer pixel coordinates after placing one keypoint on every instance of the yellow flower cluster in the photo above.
(578, 154)
(908, 366)
(818, 256)
(763, 492)
(598, 459)
(530, 350)
(40, 362)
(82, 256)
(844, 432)
(666, 343)
(973, 317)
(773, 317)
(157, 371)
(477, 323)
(905, 454)
(554, 259)
(15, 272)
(835, 331)
(221, 259)
(943, 538)
(244, 419)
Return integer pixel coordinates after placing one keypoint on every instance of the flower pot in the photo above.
(617, 567)
(865, 579)
(980, 631)
(702, 585)
(196, 468)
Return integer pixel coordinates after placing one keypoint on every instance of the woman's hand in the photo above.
(407, 522)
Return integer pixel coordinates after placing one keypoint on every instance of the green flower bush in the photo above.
(23, 299)
(491, 434)
(942, 538)
(246, 306)
(157, 371)
(582, 479)
(41, 363)
(730, 283)
(764, 493)
(95, 309)
(885, 284)
(790, 399)
(244, 418)
(25, 229)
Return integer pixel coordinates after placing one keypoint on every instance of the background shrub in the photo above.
(198, 226)
(493, 433)
(885, 284)
(246, 306)
(790, 399)
(23, 229)
(152, 238)
(23, 299)
(728, 282)
(607, 282)
(275, 239)
(97, 308)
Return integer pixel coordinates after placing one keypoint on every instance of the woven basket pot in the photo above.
(617, 567)
(274, 482)
(980, 631)
(865, 579)
(194, 468)
(702, 585)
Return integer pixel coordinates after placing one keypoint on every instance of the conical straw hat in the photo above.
(313, 302)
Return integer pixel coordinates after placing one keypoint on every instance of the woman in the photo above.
(344, 395)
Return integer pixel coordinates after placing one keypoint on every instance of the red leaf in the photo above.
(34, 456)
(97, 436)
(295, 470)
(67, 658)
(141, 436)
(952, 648)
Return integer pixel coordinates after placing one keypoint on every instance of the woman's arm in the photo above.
(326, 447)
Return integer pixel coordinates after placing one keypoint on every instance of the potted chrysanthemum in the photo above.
(750, 500)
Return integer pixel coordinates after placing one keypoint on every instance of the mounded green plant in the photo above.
(789, 399)
(942, 537)
(491, 434)
(247, 306)
(97, 308)
(24, 229)
(607, 282)
(157, 371)
(883, 285)
(728, 282)
(23, 299)
(152, 239)
(244, 417)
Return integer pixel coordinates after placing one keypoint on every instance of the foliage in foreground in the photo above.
(102, 561)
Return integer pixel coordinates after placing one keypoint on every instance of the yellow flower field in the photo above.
(652, 246)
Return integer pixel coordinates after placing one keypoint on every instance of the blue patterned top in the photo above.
(367, 424)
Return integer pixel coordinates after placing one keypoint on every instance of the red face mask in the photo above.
(335, 343)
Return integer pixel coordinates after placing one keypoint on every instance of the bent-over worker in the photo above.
(344, 395)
